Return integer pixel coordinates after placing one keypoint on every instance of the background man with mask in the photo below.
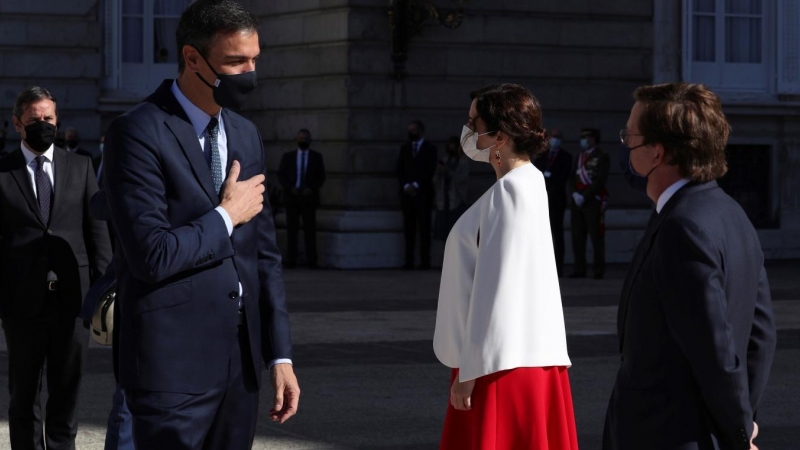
(50, 251)
(589, 201)
(71, 141)
(200, 284)
(695, 322)
(416, 165)
(302, 174)
(556, 166)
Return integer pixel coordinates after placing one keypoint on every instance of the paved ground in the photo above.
(370, 380)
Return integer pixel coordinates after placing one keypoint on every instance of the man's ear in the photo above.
(191, 57)
(660, 154)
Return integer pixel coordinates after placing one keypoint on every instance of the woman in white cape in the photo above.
(500, 324)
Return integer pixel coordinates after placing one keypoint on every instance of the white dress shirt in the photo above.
(667, 194)
(499, 298)
(302, 165)
(48, 168)
(199, 120)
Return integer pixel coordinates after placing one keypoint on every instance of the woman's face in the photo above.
(476, 124)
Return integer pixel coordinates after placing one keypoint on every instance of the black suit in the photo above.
(95, 155)
(417, 167)
(299, 204)
(696, 330)
(190, 347)
(556, 169)
(41, 324)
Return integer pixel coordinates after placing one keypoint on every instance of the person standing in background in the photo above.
(556, 165)
(589, 202)
(302, 174)
(72, 142)
(416, 165)
(51, 250)
(451, 183)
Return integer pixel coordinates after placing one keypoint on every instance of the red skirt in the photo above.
(529, 408)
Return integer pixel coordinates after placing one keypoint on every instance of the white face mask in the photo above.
(469, 142)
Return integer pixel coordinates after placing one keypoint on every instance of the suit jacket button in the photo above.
(233, 295)
(49, 231)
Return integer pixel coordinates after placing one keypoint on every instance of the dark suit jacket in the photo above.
(556, 183)
(178, 271)
(314, 178)
(94, 155)
(597, 165)
(420, 168)
(74, 246)
(696, 330)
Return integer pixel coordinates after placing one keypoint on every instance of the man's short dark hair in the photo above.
(32, 95)
(204, 19)
(689, 121)
(419, 124)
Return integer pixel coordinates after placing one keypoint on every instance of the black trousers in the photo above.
(61, 341)
(557, 229)
(224, 418)
(306, 210)
(417, 212)
(586, 221)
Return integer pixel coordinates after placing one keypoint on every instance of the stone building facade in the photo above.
(326, 65)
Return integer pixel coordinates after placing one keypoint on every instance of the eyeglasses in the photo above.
(624, 135)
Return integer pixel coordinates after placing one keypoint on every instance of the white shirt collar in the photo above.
(419, 142)
(301, 150)
(669, 193)
(197, 116)
(30, 156)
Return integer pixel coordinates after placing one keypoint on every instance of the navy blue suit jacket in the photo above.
(696, 330)
(178, 271)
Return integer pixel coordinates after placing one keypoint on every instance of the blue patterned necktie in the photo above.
(44, 190)
(215, 164)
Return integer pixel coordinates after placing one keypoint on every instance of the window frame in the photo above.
(725, 76)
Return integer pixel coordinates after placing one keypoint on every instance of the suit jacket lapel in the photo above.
(180, 126)
(644, 249)
(23, 180)
(235, 141)
(61, 170)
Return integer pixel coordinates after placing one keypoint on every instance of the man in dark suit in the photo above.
(556, 166)
(50, 251)
(199, 275)
(72, 142)
(416, 166)
(589, 202)
(302, 174)
(695, 324)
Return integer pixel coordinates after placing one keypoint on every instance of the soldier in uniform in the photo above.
(589, 202)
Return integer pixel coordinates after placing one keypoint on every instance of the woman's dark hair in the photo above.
(514, 110)
(204, 19)
(688, 120)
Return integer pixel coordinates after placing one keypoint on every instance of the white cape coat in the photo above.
(499, 299)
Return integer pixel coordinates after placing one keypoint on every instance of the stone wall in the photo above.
(57, 45)
(326, 66)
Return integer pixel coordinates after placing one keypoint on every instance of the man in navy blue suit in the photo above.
(695, 323)
(199, 273)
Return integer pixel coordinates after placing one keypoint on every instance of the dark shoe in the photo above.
(424, 267)
(289, 265)
(577, 275)
(598, 276)
(313, 266)
(408, 267)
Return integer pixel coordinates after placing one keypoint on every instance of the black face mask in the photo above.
(413, 137)
(72, 143)
(303, 145)
(39, 136)
(637, 182)
(230, 91)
